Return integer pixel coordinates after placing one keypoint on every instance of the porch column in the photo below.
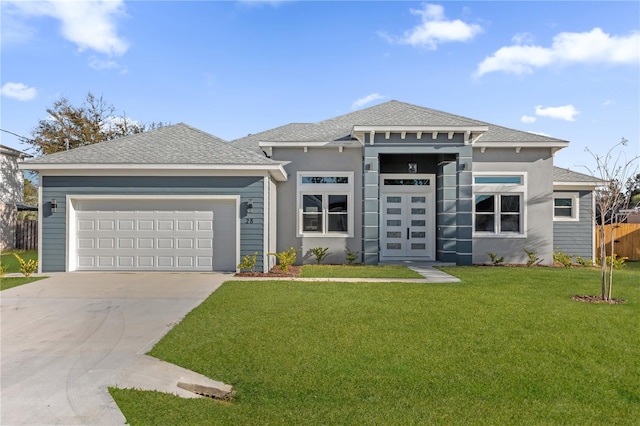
(464, 207)
(370, 208)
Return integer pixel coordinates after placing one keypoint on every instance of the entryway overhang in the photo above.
(470, 133)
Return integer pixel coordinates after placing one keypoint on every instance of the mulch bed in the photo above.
(597, 299)
(275, 272)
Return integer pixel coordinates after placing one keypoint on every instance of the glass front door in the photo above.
(407, 217)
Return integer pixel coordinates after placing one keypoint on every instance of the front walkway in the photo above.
(426, 269)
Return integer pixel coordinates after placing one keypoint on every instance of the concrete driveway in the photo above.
(65, 339)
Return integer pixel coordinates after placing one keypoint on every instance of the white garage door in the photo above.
(154, 235)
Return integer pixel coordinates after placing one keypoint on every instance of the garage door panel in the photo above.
(153, 235)
(146, 262)
(125, 243)
(145, 225)
(126, 225)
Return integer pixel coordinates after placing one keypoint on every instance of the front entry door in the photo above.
(407, 217)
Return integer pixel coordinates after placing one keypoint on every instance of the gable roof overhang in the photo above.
(471, 133)
(7, 150)
(276, 171)
(554, 145)
(267, 146)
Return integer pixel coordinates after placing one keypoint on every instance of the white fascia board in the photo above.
(584, 186)
(483, 144)
(315, 144)
(50, 169)
(424, 129)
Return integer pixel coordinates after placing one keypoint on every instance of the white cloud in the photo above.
(595, 46)
(523, 38)
(608, 102)
(565, 112)
(528, 119)
(90, 25)
(106, 64)
(541, 134)
(18, 91)
(435, 29)
(366, 100)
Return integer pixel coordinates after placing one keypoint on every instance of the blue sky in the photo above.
(570, 70)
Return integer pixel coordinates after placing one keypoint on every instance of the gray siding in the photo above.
(576, 238)
(58, 187)
(321, 160)
(538, 163)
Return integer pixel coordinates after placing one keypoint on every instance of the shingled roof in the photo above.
(391, 113)
(176, 144)
(565, 176)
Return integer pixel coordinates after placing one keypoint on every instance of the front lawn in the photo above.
(358, 271)
(9, 260)
(505, 346)
(9, 282)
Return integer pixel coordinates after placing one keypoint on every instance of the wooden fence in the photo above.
(626, 239)
(27, 234)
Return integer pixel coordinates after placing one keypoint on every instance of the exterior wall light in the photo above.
(54, 205)
(250, 206)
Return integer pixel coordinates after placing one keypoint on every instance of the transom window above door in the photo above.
(325, 204)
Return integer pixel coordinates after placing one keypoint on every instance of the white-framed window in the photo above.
(325, 204)
(566, 206)
(499, 208)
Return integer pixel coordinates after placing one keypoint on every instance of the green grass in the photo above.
(358, 271)
(11, 262)
(505, 346)
(9, 282)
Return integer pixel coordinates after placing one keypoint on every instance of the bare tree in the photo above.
(616, 173)
(70, 126)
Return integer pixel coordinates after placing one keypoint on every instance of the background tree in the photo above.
(616, 174)
(30, 198)
(70, 126)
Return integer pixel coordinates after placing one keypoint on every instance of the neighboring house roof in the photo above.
(6, 150)
(177, 146)
(391, 113)
(566, 177)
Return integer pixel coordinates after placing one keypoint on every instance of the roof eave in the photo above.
(577, 185)
(275, 170)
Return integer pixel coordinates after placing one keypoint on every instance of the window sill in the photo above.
(329, 235)
(501, 236)
(566, 219)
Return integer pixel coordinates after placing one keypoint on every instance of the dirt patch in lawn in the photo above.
(275, 272)
(597, 299)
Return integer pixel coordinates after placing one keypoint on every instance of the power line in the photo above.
(15, 134)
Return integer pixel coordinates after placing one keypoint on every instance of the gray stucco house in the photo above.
(394, 182)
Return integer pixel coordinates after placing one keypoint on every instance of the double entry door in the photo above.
(407, 214)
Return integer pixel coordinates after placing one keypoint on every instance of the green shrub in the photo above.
(562, 258)
(495, 259)
(320, 253)
(618, 262)
(286, 258)
(27, 268)
(584, 262)
(248, 262)
(352, 256)
(532, 257)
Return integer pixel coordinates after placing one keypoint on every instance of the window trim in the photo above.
(324, 189)
(497, 190)
(575, 206)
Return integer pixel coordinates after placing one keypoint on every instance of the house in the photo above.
(394, 182)
(11, 194)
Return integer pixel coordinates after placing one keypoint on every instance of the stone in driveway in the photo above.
(67, 338)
